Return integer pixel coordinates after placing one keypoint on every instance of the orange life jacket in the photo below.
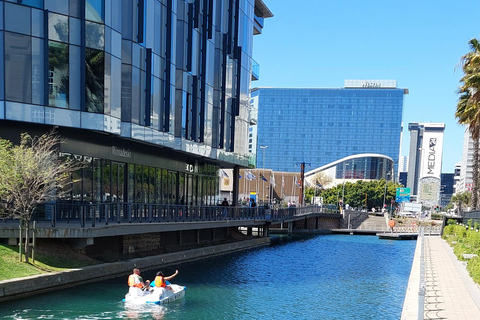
(160, 282)
(131, 281)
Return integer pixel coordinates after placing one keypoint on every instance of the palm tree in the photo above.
(468, 108)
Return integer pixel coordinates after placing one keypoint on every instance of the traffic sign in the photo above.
(403, 192)
(402, 198)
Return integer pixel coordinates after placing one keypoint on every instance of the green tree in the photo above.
(468, 108)
(362, 193)
(461, 200)
(30, 174)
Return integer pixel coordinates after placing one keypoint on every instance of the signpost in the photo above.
(402, 195)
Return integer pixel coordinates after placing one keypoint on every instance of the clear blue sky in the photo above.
(419, 43)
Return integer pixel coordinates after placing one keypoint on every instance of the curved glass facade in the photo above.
(365, 168)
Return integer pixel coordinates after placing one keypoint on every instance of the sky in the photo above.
(419, 43)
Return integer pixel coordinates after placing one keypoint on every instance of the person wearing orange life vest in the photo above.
(160, 280)
(135, 280)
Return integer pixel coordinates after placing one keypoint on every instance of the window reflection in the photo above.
(94, 80)
(57, 27)
(94, 10)
(57, 74)
(94, 35)
(18, 67)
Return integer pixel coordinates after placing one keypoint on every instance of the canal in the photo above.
(316, 277)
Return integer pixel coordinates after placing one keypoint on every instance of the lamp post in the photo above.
(343, 189)
(301, 197)
(385, 192)
(263, 172)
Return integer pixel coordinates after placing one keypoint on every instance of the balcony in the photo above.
(255, 70)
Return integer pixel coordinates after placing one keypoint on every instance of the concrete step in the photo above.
(373, 223)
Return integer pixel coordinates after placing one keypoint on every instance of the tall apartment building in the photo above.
(403, 164)
(425, 162)
(152, 94)
(465, 181)
(456, 178)
(320, 126)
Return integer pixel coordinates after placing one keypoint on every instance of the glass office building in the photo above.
(321, 126)
(152, 94)
(353, 168)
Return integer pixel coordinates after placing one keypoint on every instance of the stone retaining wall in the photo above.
(356, 219)
(22, 287)
(317, 223)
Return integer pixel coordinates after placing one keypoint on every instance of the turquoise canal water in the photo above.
(321, 277)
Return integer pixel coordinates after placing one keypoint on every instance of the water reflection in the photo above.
(133, 311)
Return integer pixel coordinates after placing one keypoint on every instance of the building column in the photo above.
(236, 173)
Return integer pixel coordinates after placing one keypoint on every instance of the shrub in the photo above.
(451, 222)
(473, 268)
(448, 230)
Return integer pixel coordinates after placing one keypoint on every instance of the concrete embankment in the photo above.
(413, 303)
(22, 287)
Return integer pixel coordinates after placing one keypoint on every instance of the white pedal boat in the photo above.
(157, 295)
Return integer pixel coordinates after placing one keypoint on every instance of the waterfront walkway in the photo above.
(450, 292)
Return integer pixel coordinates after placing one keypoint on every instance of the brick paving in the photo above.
(450, 292)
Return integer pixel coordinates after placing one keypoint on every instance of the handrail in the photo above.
(422, 283)
(91, 214)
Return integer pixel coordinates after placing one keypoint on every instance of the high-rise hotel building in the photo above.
(319, 126)
(152, 94)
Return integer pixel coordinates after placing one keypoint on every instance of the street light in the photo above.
(301, 198)
(343, 189)
(385, 192)
(263, 172)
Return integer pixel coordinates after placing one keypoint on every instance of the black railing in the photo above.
(469, 215)
(91, 215)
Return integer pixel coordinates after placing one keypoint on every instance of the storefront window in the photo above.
(181, 188)
(151, 185)
(87, 180)
(107, 194)
(131, 183)
(97, 180)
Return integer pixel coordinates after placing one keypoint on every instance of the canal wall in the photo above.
(413, 303)
(23, 287)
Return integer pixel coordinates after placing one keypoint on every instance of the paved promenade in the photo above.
(450, 293)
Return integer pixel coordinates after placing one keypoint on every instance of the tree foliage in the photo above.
(461, 199)
(468, 109)
(322, 179)
(374, 192)
(32, 173)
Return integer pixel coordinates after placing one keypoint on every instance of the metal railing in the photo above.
(93, 214)
(88, 214)
(422, 283)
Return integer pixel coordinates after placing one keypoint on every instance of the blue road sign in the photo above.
(402, 198)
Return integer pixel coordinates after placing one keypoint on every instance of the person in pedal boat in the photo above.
(135, 280)
(161, 280)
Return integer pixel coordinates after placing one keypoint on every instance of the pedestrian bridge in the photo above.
(67, 220)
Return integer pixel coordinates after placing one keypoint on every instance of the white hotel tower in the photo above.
(425, 162)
